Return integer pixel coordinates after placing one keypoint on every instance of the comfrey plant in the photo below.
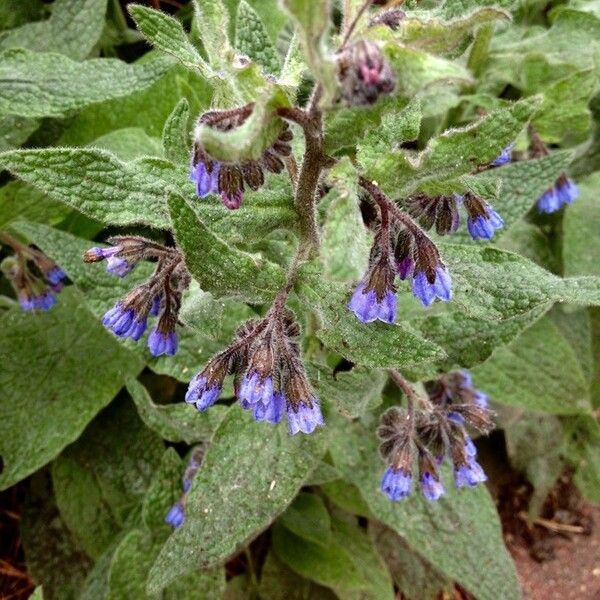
(334, 244)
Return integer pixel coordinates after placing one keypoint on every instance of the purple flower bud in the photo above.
(566, 190)
(548, 201)
(201, 394)
(176, 516)
(482, 227)
(405, 267)
(305, 417)
(431, 487)
(456, 418)
(254, 389)
(470, 448)
(115, 264)
(272, 412)
(160, 342)
(427, 291)
(368, 308)
(396, 484)
(232, 200)
(123, 322)
(206, 181)
(155, 308)
(481, 399)
(469, 474)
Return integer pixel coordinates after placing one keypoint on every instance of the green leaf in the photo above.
(219, 268)
(212, 23)
(308, 518)
(534, 443)
(248, 469)
(455, 152)
(564, 116)
(538, 371)
(312, 22)
(443, 37)
(252, 39)
(351, 392)
(93, 182)
(15, 130)
(373, 345)
(278, 582)
(327, 564)
(581, 245)
(129, 143)
(495, 284)
(414, 576)
(73, 29)
(82, 505)
(175, 137)
(166, 33)
(175, 422)
(50, 85)
(346, 244)
(346, 496)
(47, 357)
(460, 534)
(54, 559)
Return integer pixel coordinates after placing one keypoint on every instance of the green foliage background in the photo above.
(95, 138)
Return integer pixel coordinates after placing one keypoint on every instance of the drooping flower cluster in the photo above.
(175, 517)
(442, 211)
(229, 178)
(363, 73)
(159, 296)
(35, 278)
(390, 18)
(270, 376)
(432, 433)
(399, 249)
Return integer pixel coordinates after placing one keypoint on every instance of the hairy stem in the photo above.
(352, 26)
(408, 391)
(15, 244)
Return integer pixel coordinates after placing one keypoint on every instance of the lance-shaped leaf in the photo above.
(312, 22)
(175, 136)
(73, 29)
(459, 535)
(212, 24)
(251, 469)
(538, 371)
(47, 356)
(50, 85)
(252, 39)
(175, 422)
(166, 33)
(495, 284)
(455, 152)
(220, 268)
(373, 344)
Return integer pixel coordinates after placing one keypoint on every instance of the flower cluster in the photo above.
(431, 434)
(229, 178)
(390, 18)
(176, 515)
(159, 296)
(363, 73)
(35, 278)
(442, 211)
(270, 376)
(401, 250)
(564, 191)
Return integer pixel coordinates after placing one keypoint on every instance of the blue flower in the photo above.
(305, 416)
(114, 264)
(504, 157)
(470, 448)
(43, 301)
(254, 389)
(426, 291)
(272, 412)
(456, 418)
(162, 342)
(564, 191)
(124, 323)
(431, 486)
(201, 393)
(396, 484)
(56, 275)
(156, 305)
(481, 399)
(366, 305)
(176, 516)
(469, 474)
(483, 227)
(206, 178)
